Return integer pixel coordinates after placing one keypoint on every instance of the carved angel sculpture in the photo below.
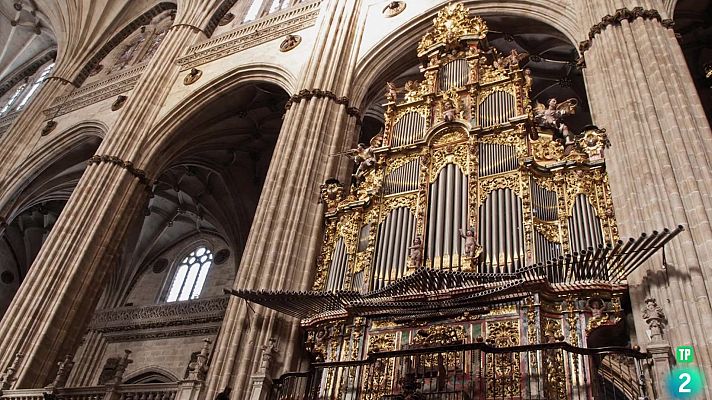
(551, 117)
(513, 59)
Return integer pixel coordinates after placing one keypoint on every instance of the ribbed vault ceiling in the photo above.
(24, 35)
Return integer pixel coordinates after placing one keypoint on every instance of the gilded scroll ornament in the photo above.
(452, 23)
(503, 372)
(549, 231)
(594, 142)
(546, 150)
(488, 185)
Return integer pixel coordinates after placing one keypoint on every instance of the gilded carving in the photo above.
(546, 149)
(451, 23)
(503, 373)
(549, 231)
(487, 185)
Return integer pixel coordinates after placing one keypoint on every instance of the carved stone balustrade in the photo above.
(181, 318)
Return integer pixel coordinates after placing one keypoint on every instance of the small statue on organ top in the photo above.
(416, 252)
(471, 246)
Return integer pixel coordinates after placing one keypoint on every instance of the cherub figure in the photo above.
(449, 111)
(416, 252)
(551, 117)
(391, 93)
(470, 242)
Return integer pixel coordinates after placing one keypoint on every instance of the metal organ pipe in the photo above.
(584, 226)
(399, 235)
(395, 235)
(408, 129)
(448, 214)
(337, 270)
(439, 223)
(449, 192)
(453, 74)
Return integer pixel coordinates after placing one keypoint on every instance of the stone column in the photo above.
(48, 315)
(286, 232)
(660, 162)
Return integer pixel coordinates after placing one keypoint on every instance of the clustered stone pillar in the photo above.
(285, 237)
(52, 307)
(659, 164)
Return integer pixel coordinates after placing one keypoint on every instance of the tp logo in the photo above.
(684, 382)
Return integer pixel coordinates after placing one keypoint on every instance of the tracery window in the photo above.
(190, 275)
(43, 76)
(13, 98)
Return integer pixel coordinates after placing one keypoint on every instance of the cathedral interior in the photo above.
(354, 199)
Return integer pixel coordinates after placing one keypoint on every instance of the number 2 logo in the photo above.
(686, 379)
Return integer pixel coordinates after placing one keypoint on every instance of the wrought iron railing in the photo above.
(476, 371)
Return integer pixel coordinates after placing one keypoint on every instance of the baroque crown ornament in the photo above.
(451, 24)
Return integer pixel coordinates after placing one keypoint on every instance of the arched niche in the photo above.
(212, 166)
(37, 205)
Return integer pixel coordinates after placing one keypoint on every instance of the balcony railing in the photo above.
(476, 371)
(148, 391)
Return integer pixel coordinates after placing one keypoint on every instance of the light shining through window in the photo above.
(253, 10)
(13, 98)
(36, 85)
(190, 275)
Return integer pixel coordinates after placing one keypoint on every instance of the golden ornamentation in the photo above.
(382, 342)
(412, 92)
(449, 137)
(487, 185)
(599, 316)
(393, 202)
(440, 335)
(456, 154)
(422, 109)
(383, 324)
(503, 310)
(549, 231)
(507, 138)
(452, 23)
(503, 371)
(545, 150)
(593, 143)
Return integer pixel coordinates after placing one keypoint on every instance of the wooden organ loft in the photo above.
(405, 304)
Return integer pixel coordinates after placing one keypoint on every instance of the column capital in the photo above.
(623, 14)
(308, 94)
(127, 165)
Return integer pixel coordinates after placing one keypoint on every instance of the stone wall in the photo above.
(152, 285)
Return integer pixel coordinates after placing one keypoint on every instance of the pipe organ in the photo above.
(469, 221)
(461, 150)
